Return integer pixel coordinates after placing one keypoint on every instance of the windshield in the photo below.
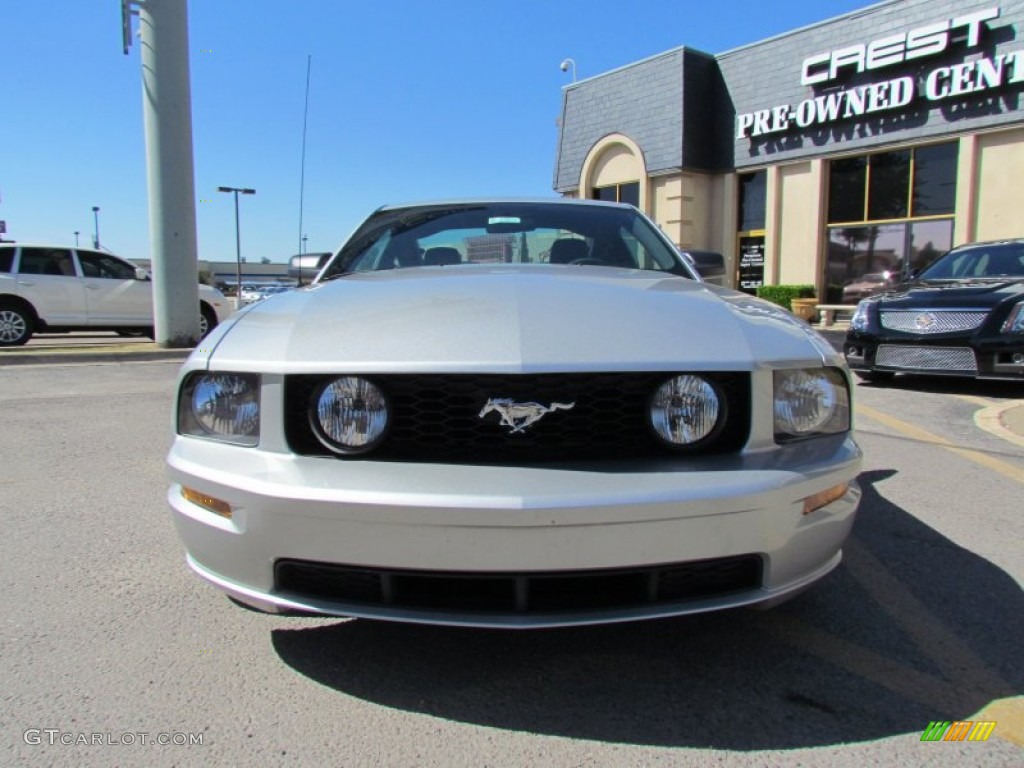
(975, 262)
(506, 233)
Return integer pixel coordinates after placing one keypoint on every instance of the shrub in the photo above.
(783, 294)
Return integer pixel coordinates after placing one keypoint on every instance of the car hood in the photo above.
(511, 320)
(965, 294)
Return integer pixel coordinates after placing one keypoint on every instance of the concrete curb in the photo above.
(69, 355)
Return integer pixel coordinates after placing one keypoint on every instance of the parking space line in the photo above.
(921, 435)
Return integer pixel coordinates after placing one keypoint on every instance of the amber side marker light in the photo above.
(205, 501)
(819, 500)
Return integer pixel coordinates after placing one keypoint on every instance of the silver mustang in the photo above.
(512, 414)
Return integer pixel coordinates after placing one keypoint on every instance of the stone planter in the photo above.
(804, 308)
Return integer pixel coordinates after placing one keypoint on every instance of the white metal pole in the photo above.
(167, 113)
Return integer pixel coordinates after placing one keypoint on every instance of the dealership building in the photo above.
(832, 154)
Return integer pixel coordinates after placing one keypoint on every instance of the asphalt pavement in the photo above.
(78, 348)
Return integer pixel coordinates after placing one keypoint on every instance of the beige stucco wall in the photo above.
(999, 176)
(666, 205)
(799, 201)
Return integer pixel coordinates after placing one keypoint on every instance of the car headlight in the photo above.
(810, 402)
(350, 415)
(1015, 322)
(859, 321)
(221, 406)
(685, 410)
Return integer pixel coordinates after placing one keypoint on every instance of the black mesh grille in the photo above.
(437, 417)
(519, 592)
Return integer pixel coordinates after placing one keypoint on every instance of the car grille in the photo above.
(437, 417)
(517, 593)
(929, 322)
(926, 358)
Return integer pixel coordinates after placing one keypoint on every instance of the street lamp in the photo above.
(565, 67)
(238, 242)
(76, 238)
(304, 238)
(96, 227)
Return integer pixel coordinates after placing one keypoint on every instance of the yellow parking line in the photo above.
(1014, 473)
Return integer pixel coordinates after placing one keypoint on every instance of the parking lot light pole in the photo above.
(96, 227)
(238, 241)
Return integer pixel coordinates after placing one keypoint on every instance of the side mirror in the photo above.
(141, 274)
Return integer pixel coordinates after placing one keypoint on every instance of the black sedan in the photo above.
(963, 315)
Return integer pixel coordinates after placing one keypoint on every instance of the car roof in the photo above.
(501, 200)
(20, 244)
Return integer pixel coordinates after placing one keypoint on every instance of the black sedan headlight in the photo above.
(221, 406)
(859, 321)
(810, 402)
(350, 415)
(685, 410)
(1015, 322)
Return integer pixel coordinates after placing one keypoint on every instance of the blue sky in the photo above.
(408, 101)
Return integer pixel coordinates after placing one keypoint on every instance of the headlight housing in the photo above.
(859, 321)
(221, 406)
(685, 410)
(810, 402)
(350, 415)
(1015, 322)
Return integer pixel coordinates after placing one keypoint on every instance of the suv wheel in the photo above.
(16, 325)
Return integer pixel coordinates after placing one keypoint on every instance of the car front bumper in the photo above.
(497, 521)
(981, 358)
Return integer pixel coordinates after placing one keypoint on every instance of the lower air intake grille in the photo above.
(908, 358)
(519, 593)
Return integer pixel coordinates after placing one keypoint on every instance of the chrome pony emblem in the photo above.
(518, 416)
(924, 321)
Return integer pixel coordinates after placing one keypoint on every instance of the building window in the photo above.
(753, 197)
(889, 214)
(619, 193)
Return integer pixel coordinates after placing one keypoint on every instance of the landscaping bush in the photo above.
(783, 294)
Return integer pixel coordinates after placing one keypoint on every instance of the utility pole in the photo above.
(167, 114)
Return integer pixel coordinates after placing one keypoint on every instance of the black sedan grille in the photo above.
(436, 417)
(516, 593)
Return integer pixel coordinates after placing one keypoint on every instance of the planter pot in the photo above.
(804, 308)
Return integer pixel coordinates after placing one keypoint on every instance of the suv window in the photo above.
(6, 259)
(104, 266)
(46, 261)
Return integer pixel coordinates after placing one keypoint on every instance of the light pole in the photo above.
(238, 242)
(76, 238)
(96, 227)
(565, 67)
(304, 238)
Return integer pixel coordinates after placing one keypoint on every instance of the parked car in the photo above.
(866, 285)
(46, 288)
(581, 433)
(963, 315)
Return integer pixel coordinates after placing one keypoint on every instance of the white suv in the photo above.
(55, 288)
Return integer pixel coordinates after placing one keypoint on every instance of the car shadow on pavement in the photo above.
(911, 628)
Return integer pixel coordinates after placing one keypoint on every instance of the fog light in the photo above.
(819, 500)
(207, 502)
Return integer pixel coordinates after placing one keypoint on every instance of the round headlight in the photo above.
(684, 410)
(350, 415)
(227, 405)
(805, 401)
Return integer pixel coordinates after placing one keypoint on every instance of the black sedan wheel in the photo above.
(16, 326)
